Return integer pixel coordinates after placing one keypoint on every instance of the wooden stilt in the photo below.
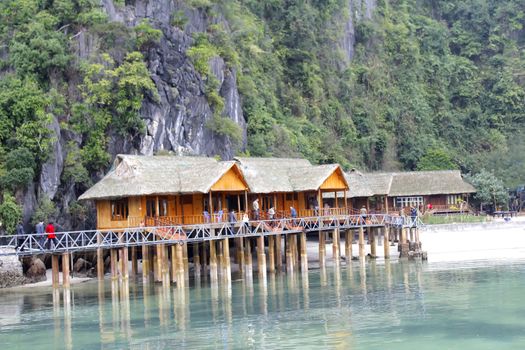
(411, 234)
(179, 262)
(134, 263)
(295, 251)
(348, 245)
(196, 260)
(186, 263)
(240, 252)
(174, 267)
(213, 262)
(335, 246)
(100, 263)
(165, 267)
(289, 253)
(304, 253)
(278, 252)
(220, 260)
(65, 270)
(124, 272)
(386, 245)
(156, 270)
(322, 249)
(146, 264)
(248, 268)
(361, 243)
(55, 271)
(271, 253)
(113, 263)
(261, 257)
(204, 261)
(227, 274)
(373, 243)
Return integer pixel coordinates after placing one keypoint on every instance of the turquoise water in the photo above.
(467, 305)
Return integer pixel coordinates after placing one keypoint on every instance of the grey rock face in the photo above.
(52, 169)
(178, 122)
(357, 10)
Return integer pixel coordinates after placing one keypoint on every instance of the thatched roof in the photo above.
(268, 175)
(147, 175)
(379, 183)
(358, 186)
(429, 183)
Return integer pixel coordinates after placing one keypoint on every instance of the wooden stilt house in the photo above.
(167, 190)
(282, 183)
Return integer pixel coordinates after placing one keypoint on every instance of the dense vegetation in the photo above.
(432, 84)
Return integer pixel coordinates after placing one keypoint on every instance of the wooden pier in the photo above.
(277, 245)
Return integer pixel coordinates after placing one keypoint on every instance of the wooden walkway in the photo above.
(90, 240)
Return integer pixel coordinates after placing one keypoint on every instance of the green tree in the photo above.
(489, 189)
(436, 159)
(10, 213)
(45, 211)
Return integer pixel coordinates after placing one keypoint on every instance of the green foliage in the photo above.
(224, 126)
(45, 211)
(112, 96)
(201, 53)
(74, 169)
(10, 213)
(146, 35)
(19, 169)
(452, 219)
(179, 19)
(436, 159)
(490, 189)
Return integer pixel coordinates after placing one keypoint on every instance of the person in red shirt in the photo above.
(51, 236)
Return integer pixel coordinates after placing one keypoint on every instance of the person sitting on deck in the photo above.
(256, 209)
(363, 213)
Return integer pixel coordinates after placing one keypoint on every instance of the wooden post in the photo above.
(113, 263)
(173, 262)
(411, 234)
(373, 243)
(156, 271)
(226, 259)
(55, 271)
(261, 257)
(65, 270)
(386, 245)
(304, 253)
(134, 263)
(213, 262)
(179, 262)
(248, 269)
(186, 264)
(386, 204)
(348, 245)
(322, 249)
(146, 264)
(240, 252)
(346, 202)
(271, 253)
(196, 260)
(165, 266)
(278, 253)
(403, 239)
(124, 272)
(361, 242)
(335, 246)
(289, 253)
(100, 263)
(210, 203)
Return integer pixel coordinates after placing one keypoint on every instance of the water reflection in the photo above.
(333, 307)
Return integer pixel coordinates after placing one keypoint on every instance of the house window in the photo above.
(453, 199)
(119, 210)
(403, 202)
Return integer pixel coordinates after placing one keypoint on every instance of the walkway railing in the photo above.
(73, 241)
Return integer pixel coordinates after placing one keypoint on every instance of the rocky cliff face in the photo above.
(357, 10)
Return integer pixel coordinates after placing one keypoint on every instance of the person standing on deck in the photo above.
(293, 214)
(232, 219)
(271, 213)
(20, 236)
(363, 213)
(413, 215)
(39, 228)
(255, 205)
(51, 236)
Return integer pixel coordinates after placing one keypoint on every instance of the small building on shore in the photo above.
(439, 191)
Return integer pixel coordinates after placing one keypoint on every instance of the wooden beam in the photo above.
(361, 243)
(386, 243)
(65, 270)
(55, 271)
